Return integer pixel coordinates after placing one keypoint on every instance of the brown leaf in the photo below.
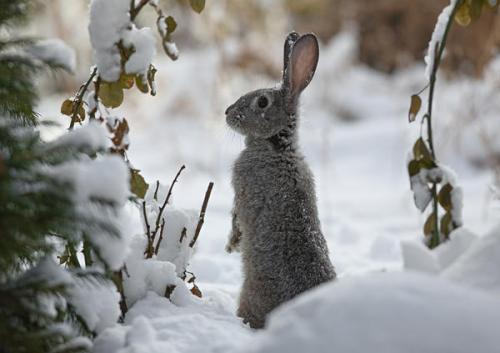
(420, 151)
(416, 103)
(444, 197)
(119, 133)
(196, 291)
(67, 107)
(430, 224)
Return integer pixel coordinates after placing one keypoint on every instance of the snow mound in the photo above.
(390, 313)
(479, 266)
(154, 324)
(418, 257)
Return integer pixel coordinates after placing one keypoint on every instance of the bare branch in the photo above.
(162, 208)
(79, 98)
(161, 236)
(201, 220)
(135, 10)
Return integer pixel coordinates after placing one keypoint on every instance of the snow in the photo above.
(90, 137)
(156, 325)
(390, 313)
(108, 18)
(437, 36)
(479, 265)
(143, 41)
(418, 257)
(110, 23)
(100, 191)
(355, 135)
(55, 52)
(96, 302)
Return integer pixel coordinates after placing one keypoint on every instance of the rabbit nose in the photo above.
(229, 109)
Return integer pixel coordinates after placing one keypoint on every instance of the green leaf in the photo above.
(67, 107)
(197, 5)
(138, 185)
(111, 94)
(430, 224)
(444, 197)
(475, 9)
(171, 25)
(141, 84)
(415, 105)
(413, 168)
(446, 224)
(420, 151)
(126, 81)
(462, 16)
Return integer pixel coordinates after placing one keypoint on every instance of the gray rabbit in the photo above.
(275, 219)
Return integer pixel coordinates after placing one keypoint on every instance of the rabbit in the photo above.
(275, 221)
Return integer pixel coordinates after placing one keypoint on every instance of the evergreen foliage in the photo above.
(40, 216)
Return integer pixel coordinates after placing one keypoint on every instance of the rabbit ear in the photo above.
(302, 65)
(289, 41)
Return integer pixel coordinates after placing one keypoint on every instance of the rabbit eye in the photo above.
(263, 102)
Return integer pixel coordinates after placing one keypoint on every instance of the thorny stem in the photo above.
(79, 98)
(201, 220)
(439, 49)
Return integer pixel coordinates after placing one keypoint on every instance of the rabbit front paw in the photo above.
(233, 245)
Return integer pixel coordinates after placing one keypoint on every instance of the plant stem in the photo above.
(439, 49)
(201, 220)
(79, 98)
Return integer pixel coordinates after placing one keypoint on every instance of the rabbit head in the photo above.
(265, 113)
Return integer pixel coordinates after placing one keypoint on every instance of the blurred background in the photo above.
(354, 127)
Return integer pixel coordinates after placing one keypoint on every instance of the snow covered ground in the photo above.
(355, 134)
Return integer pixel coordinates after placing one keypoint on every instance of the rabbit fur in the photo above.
(275, 220)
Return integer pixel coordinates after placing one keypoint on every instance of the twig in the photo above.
(135, 10)
(79, 98)
(162, 207)
(155, 196)
(148, 228)
(183, 234)
(161, 236)
(201, 220)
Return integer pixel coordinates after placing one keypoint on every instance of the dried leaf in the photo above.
(413, 168)
(81, 112)
(446, 224)
(196, 291)
(67, 107)
(119, 133)
(415, 105)
(197, 5)
(430, 224)
(138, 185)
(444, 197)
(151, 79)
(420, 151)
